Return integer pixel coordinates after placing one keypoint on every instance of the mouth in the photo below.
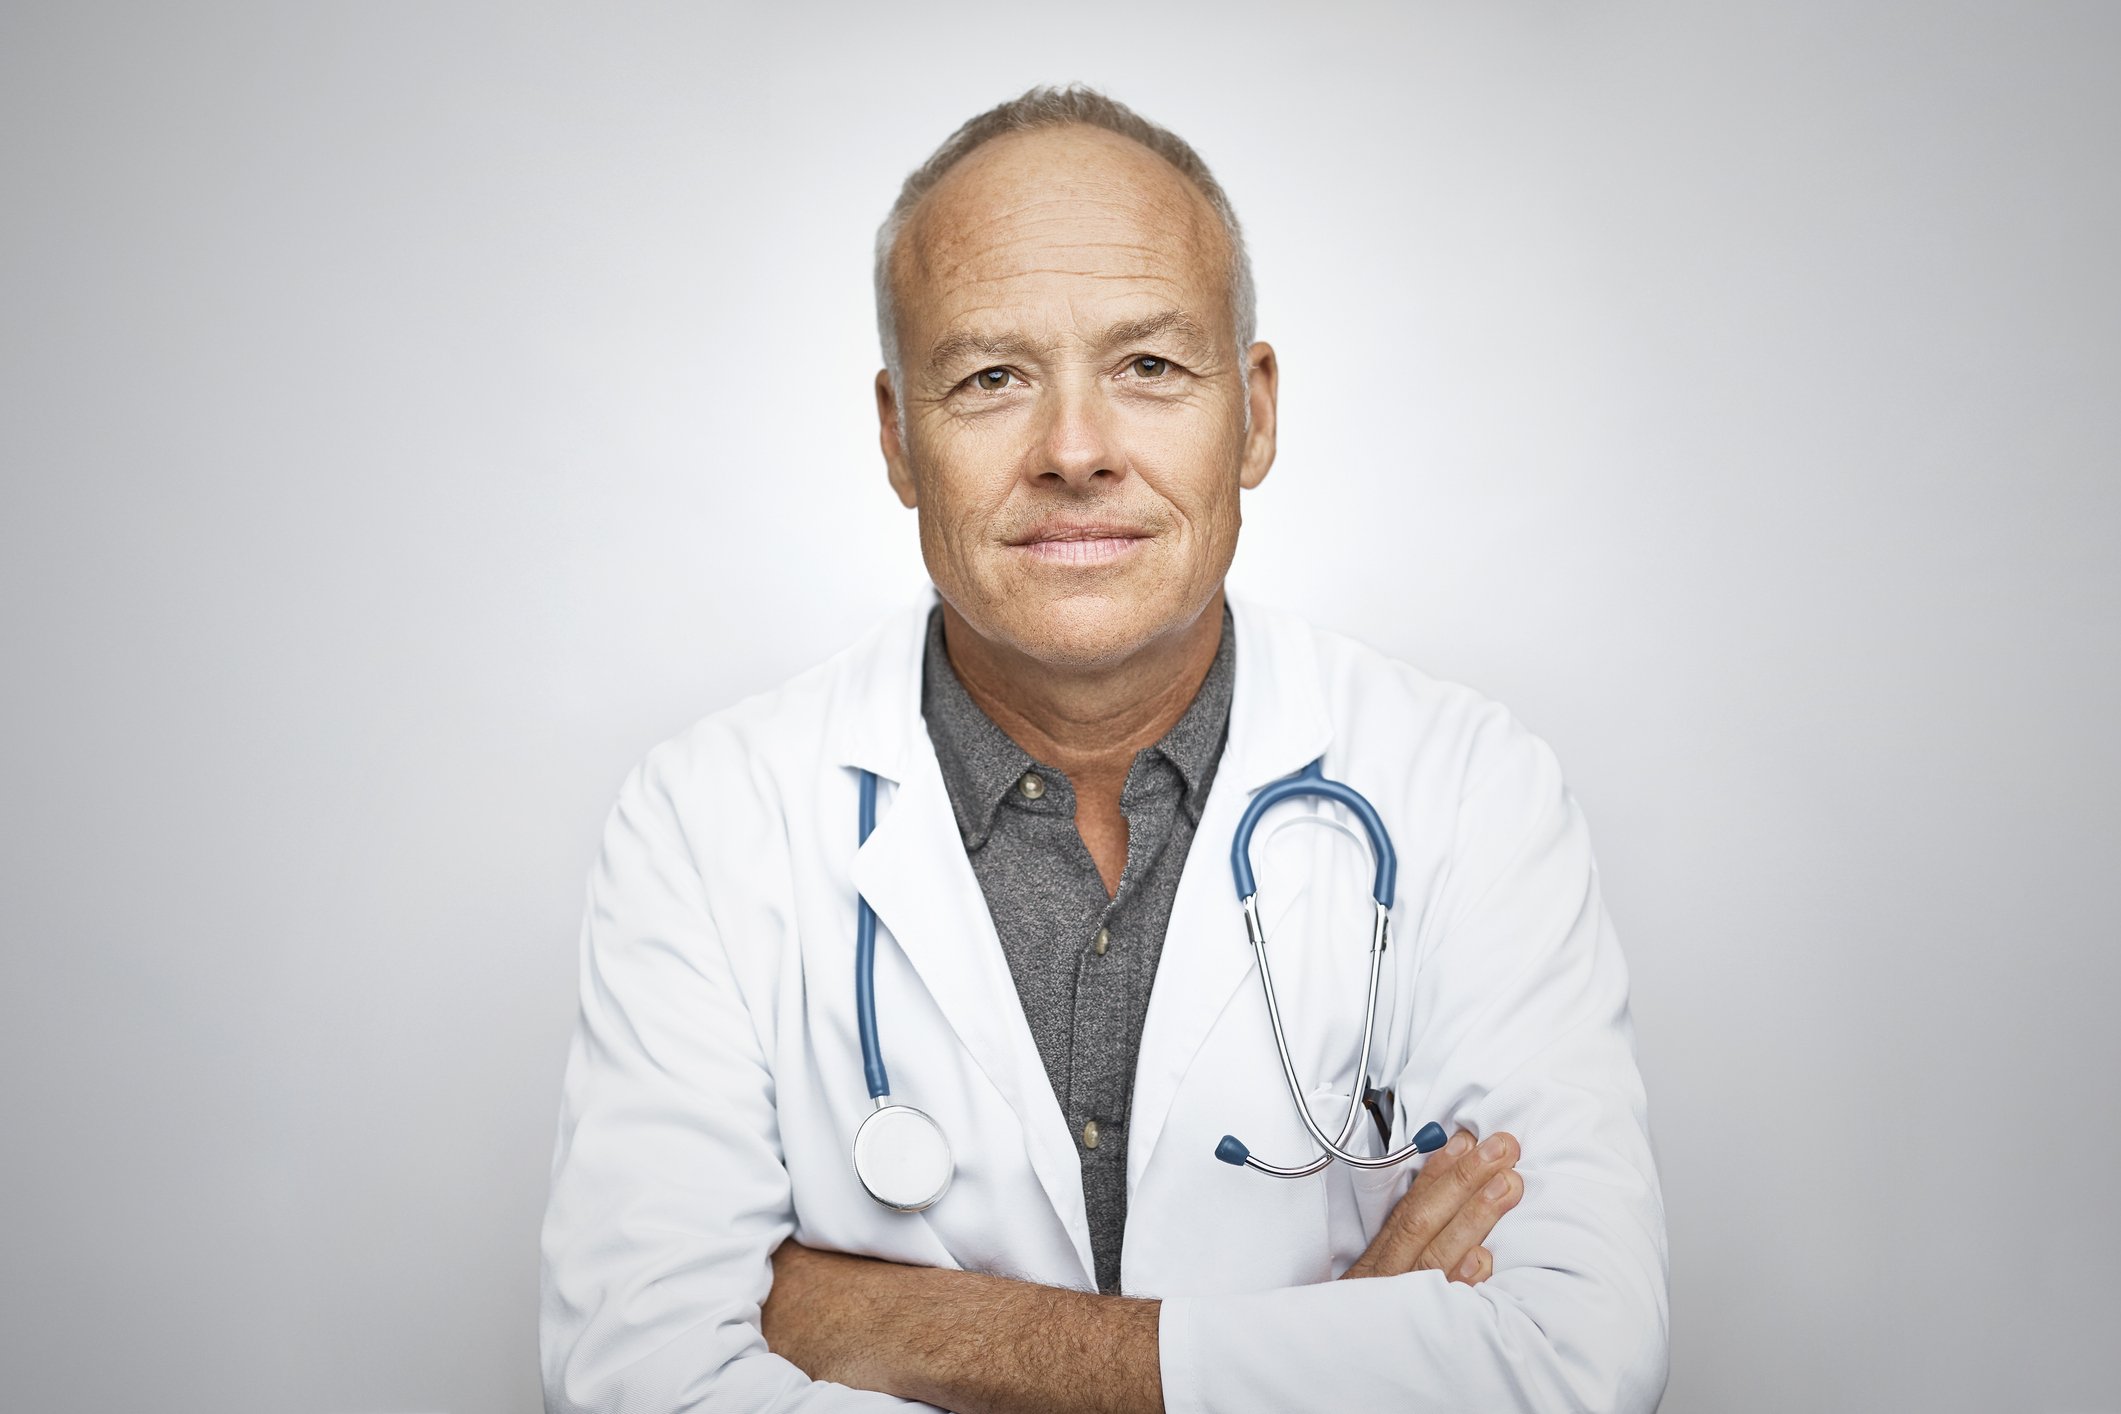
(1080, 543)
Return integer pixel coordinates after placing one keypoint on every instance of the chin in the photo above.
(1087, 631)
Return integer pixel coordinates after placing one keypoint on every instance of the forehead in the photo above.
(1059, 225)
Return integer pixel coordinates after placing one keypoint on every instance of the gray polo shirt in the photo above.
(1083, 961)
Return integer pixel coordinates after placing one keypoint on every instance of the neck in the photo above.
(1089, 723)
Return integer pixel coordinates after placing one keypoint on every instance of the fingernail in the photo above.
(1460, 1142)
(1498, 1187)
(1495, 1148)
(1470, 1265)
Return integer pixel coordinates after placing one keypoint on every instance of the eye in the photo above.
(1150, 366)
(991, 380)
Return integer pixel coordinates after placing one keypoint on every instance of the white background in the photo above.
(410, 414)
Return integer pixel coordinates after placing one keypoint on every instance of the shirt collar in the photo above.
(981, 763)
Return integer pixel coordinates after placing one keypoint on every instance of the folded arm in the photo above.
(1521, 1025)
(670, 1197)
(988, 1345)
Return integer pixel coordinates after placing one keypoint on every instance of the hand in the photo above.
(1440, 1223)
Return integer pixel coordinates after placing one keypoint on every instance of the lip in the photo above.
(1080, 543)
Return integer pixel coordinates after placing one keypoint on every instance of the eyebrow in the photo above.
(958, 347)
(1170, 324)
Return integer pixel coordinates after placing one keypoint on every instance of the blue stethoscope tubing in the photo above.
(1312, 782)
(901, 1155)
(865, 962)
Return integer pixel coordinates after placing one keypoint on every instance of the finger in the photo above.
(1431, 1207)
(1470, 1225)
(1439, 1191)
(1477, 1267)
(1443, 1160)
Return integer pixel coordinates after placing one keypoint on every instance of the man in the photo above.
(1063, 744)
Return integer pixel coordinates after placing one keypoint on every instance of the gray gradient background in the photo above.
(412, 414)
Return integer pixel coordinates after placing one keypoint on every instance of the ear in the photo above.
(887, 433)
(1264, 385)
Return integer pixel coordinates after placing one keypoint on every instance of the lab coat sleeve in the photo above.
(668, 1191)
(1521, 1023)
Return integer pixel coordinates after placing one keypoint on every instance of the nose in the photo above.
(1077, 442)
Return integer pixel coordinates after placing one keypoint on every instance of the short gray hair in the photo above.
(1046, 107)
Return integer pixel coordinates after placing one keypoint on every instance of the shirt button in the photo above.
(1104, 940)
(1031, 785)
(1090, 1135)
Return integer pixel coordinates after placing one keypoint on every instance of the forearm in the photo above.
(964, 1341)
(1527, 1341)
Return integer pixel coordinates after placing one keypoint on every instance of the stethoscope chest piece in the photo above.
(902, 1158)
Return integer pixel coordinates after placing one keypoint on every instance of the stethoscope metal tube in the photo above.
(1311, 781)
(1362, 1066)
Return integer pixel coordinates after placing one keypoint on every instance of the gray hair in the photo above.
(1047, 107)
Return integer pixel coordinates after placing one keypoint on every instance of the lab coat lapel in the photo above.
(1278, 725)
(917, 878)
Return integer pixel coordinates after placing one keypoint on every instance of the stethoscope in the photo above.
(901, 1155)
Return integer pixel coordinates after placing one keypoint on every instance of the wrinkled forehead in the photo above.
(1055, 226)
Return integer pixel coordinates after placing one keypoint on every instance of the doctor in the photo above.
(1063, 741)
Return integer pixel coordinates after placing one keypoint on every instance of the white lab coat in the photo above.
(715, 1079)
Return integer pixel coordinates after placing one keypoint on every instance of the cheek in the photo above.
(1195, 469)
(964, 483)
